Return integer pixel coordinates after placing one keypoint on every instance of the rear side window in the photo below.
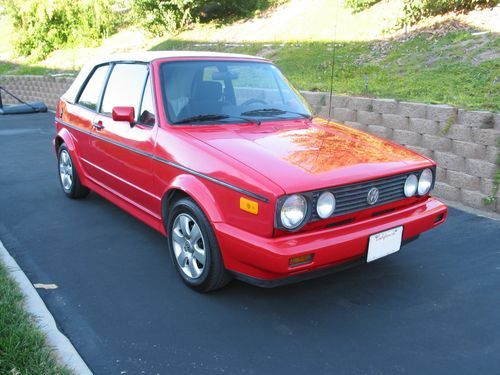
(124, 87)
(90, 94)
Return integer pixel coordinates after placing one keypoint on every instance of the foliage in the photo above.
(163, 16)
(228, 10)
(360, 5)
(422, 69)
(170, 16)
(416, 10)
(43, 26)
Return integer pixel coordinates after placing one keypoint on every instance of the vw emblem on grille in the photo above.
(372, 196)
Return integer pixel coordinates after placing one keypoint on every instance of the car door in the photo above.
(122, 150)
(80, 116)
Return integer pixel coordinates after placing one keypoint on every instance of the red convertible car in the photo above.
(221, 154)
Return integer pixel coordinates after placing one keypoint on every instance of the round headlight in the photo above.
(425, 182)
(293, 211)
(411, 185)
(325, 205)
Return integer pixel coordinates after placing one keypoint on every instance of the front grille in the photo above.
(353, 198)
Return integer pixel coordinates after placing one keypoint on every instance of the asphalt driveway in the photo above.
(432, 308)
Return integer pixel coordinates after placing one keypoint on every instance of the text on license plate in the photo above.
(384, 243)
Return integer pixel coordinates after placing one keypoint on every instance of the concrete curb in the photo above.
(65, 352)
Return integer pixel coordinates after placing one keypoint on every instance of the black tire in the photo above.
(73, 188)
(213, 275)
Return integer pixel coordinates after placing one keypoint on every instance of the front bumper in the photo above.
(265, 261)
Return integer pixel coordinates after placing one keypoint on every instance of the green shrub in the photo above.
(43, 26)
(163, 16)
(170, 16)
(229, 10)
(416, 10)
(359, 5)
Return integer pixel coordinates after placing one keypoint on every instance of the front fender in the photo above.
(195, 188)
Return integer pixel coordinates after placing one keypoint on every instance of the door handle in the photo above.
(98, 125)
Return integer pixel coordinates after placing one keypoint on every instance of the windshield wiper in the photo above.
(272, 111)
(212, 117)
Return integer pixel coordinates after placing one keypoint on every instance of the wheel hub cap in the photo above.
(189, 246)
(66, 170)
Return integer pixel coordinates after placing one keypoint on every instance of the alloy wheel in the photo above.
(189, 246)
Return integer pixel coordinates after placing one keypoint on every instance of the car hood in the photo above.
(302, 155)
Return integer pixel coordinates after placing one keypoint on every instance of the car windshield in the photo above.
(214, 91)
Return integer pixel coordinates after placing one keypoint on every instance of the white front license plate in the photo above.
(384, 243)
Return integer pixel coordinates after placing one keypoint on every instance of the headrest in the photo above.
(208, 90)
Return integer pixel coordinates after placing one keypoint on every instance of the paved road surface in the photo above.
(432, 308)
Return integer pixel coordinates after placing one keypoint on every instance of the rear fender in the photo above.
(64, 136)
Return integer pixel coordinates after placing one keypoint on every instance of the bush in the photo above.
(359, 5)
(416, 10)
(163, 16)
(229, 10)
(43, 26)
(170, 16)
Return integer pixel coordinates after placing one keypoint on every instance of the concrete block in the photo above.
(423, 126)
(421, 151)
(475, 199)
(380, 131)
(445, 191)
(322, 111)
(406, 137)
(338, 101)
(360, 104)
(388, 106)
(468, 149)
(462, 180)
(458, 132)
(408, 109)
(492, 155)
(449, 161)
(441, 112)
(314, 98)
(440, 174)
(480, 168)
(369, 118)
(487, 187)
(476, 119)
(436, 143)
(487, 137)
(344, 114)
(394, 121)
(496, 120)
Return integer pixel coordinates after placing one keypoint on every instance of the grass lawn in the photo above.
(452, 69)
(23, 349)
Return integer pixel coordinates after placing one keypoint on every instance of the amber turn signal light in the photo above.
(303, 259)
(249, 206)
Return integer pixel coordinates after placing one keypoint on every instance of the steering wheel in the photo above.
(253, 101)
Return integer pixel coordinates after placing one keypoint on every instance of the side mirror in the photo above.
(124, 114)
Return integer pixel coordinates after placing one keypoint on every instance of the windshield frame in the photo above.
(231, 120)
